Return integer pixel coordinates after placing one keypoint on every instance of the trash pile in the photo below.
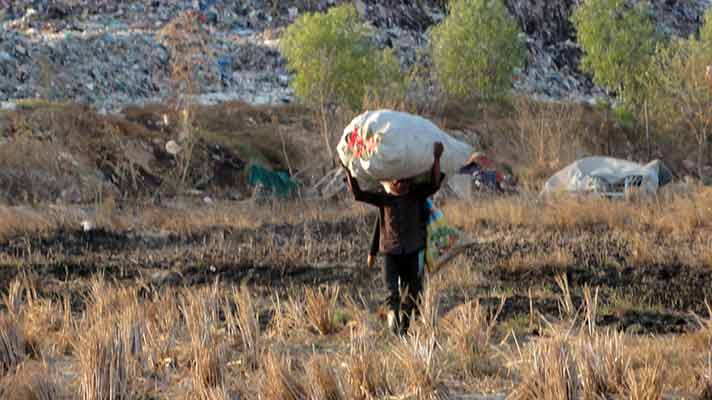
(107, 54)
(609, 177)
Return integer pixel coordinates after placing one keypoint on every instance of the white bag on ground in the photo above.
(385, 145)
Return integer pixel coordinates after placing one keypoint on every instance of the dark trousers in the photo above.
(401, 273)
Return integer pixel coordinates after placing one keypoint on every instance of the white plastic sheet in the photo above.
(588, 174)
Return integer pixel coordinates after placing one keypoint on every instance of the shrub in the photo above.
(333, 59)
(618, 44)
(681, 93)
(335, 63)
(475, 49)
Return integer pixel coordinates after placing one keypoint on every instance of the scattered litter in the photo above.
(87, 225)
(172, 147)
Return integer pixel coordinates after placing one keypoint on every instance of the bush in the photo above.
(335, 62)
(618, 43)
(475, 49)
(681, 93)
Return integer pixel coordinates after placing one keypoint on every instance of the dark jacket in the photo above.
(402, 219)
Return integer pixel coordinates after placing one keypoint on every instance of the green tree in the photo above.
(335, 62)
(475, 49)
(618, 43)
(681, 90)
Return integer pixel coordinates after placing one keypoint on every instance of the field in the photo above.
(559, 299)
(187, 286)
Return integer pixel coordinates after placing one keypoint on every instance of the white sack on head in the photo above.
(385, 145)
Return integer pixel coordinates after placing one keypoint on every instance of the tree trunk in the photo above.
(647, 131)
(325, 132)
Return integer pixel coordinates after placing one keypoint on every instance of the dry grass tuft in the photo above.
(550, 372)
(279, 381)
(323, 383)
(366, 373)
(646, 383)
(163, 329)
(320, 307)
(469, 329)
(429, 306)
(566, 304)
(32, 382)
(289, 316)
(12, 344)
(208, 370)
(243, 322)
(105, 370)
(418, 362)
(603, 365)
(590, 308)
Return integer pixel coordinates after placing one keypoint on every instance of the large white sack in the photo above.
(384, 145)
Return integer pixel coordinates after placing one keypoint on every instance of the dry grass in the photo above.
(676, 214)
(21, 220)
(163, 331)
(243, 323)
(707, 378)
(33, 381)
(322, 379)
(647, 382)
(550, 372)
(429, 307)
(603, 365)
(419, 366)
(182, 339)
(468, 331)
(208, 370)
(551, 134)
(105, 370)
(366, 370)
(279, 381)
(320, 307)
(12, 344)
(557, 258)
(566, 304)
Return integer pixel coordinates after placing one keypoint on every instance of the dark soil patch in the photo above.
(660, 298)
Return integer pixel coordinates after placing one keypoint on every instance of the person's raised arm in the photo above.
(360, 195)
(436, 174)
(428, 189)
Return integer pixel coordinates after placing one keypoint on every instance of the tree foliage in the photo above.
(476, 48)
(619, 42)
(335, 62)
(681, 90)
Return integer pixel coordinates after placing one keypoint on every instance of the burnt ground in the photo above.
(654, 298)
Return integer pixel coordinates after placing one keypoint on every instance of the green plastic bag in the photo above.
(278, 184)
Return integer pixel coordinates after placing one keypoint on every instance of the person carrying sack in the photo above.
(403, 217)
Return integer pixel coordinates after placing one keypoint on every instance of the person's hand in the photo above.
(370, 261)
(437, 149)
